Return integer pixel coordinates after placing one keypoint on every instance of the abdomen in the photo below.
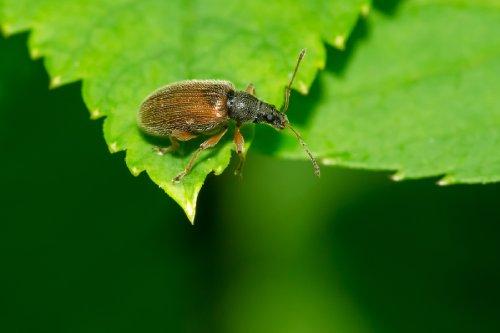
(191, 107)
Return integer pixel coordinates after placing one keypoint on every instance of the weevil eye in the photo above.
(269, 117)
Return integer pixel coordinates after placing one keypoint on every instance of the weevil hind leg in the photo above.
(174, 146)
(207, 144)
(239, 141)
(250, 89)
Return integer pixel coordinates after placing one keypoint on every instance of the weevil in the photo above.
(184, 110)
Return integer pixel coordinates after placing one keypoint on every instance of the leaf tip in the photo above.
(6, 30)
(55, 82)
(320, 64)
(329, 161)
(339, 42)
(365, 9)
(190, 207)
(135, 171)
(35, 53)
(95, 114)
(190, 212)
(219, 170)
(302, 87)
(398, 176)
(446, 180)
(113, 147)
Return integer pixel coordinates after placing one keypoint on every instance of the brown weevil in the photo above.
(184, 110)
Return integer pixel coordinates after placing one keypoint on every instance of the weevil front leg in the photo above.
(209, 143)
(174, 146)
(250, 89)
(239, 141)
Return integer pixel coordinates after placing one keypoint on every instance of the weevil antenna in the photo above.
(317, 171)
(288, 88)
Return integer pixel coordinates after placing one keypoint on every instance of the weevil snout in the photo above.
(273, 117)
(280, 120)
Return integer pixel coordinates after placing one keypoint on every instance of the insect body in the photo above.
(184, 110)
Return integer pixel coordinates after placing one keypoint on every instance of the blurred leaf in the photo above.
(125, 49)
(419, 95)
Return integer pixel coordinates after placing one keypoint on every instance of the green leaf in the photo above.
(420, 95)
(123, 50)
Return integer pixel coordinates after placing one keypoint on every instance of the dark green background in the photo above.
(86, 247)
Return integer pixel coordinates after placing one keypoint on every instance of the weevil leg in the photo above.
(182, 136)
(174, 145)
(239, 141)
(209, 143)
(250, 89)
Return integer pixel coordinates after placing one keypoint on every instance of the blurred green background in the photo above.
(86, 247)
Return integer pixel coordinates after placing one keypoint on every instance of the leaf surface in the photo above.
(419, 95)
(123, 50)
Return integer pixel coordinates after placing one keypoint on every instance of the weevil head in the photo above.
(244, 107)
